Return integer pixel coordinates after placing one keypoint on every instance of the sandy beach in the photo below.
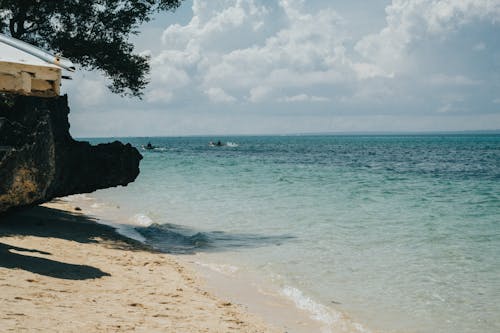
(61, 271)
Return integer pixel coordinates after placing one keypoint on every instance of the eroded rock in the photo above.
(39, 160)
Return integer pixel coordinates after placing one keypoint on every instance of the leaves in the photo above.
(92, 33)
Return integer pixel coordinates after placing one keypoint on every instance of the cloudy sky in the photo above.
(296, 66)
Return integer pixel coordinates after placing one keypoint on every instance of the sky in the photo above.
(222, 67)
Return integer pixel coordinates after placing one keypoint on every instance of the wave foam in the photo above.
(334, 321)
(303, 302)
(220, 268)
(141, 219)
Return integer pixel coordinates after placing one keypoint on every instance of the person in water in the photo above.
(149, 146)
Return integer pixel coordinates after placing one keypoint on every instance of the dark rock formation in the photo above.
(39, 160)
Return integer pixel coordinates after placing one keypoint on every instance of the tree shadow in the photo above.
(53, 223)
(47, 267)
(47, 222)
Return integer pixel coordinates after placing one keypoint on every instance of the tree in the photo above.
(92, 33)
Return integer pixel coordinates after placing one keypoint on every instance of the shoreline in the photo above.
(279, 305)
(61, 270)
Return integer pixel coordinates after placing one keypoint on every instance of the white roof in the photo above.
(11, 54)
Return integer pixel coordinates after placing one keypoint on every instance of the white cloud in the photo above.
(159, 95)
(218, 95)
(446, 108)
(91, 92)
(303, 98)
(458, 80)
(376, 92)
(451, 103)
(259, 93)
(269, 59)
(411, 20)
(225, 52)
(368, 71)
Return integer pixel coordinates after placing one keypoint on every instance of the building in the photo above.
(30, 71)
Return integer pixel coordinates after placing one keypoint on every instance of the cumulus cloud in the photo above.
(256, 51)
(269, 59)
(259, 93)
(411, 20)
(218, 95)
(159, 95)
(92, 91)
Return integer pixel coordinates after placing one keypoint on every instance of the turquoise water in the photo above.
(400, 232)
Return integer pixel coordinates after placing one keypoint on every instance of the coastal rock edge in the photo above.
(39, 160)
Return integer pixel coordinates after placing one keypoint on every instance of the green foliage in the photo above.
(92, 33)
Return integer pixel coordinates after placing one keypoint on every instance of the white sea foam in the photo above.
(231, 144)
(128, 231)
(141, 219)
(333, 321)
(220, 268)
(303, 302)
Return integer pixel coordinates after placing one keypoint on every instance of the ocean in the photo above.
(398, 233)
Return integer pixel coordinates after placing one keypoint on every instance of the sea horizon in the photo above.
(360, 133)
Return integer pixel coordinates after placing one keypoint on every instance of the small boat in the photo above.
(216, 144)
(222, 144)
(149, 146)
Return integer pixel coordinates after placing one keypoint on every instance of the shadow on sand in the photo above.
(47, 267)
(53, 223)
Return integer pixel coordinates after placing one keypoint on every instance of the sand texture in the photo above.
(62, 272)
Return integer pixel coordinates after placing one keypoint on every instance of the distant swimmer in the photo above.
(149, 146)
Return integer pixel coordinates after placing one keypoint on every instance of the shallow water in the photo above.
(400, 232)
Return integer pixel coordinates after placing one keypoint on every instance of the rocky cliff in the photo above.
(39, 160)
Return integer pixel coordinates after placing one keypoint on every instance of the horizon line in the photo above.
(343, 133)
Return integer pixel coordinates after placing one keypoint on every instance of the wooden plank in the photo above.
(16, 85)
(41, 85)
(24, 84)
(7, 82)
(30, 80)
(56, 86)
(39, 72)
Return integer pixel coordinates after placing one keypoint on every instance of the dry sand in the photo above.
(62, 272)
